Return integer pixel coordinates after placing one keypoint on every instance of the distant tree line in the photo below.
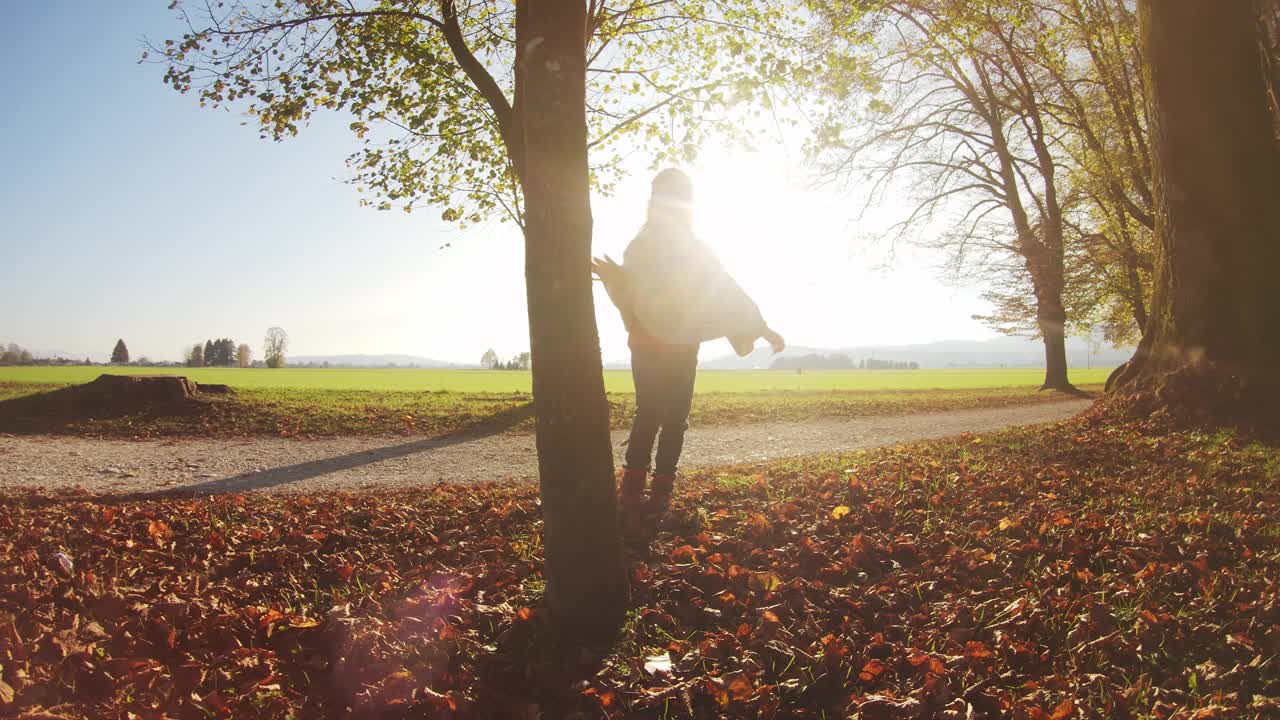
(874, 364)
(223, 352)
(490, 361)
(839, 361)
(813, 361)
(16, 355)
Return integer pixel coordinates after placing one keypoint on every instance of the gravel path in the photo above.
(212, 466)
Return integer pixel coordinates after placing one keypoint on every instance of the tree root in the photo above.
(1204, 394)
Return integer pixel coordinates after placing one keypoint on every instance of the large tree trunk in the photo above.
(1052, 320)
(587, 590)
(1212, 344)
(1051, 316)
(1045, 264)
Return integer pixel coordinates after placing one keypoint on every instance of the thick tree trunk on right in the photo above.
(1212, 344)
(587, 591)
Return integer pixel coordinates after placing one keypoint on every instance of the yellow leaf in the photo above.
(766, 581)
(840, 511)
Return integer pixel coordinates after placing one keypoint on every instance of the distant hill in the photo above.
(371, 361)
(996, 352)
(51, 354)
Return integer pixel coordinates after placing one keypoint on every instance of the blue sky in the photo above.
(128, 211)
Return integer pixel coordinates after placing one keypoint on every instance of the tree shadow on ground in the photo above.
(276, 477)
(1073, 392)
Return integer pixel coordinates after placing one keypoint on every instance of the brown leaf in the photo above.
(215, 701)
(740, 688)
(159, 530)
(975, 650)
(684, 554)
(109, 607)
(872, 670)
(608, 698)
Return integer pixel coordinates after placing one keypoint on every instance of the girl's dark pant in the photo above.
(664, 393)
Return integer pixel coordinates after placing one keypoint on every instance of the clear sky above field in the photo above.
(128, 211)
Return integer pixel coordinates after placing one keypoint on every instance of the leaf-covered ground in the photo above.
(1092, 569)
(305, 413)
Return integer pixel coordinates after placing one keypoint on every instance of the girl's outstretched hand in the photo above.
(776, 343)
(607, 270)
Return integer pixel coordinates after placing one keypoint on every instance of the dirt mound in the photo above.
(108, 396)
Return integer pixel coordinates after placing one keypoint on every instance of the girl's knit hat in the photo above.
(673, 186)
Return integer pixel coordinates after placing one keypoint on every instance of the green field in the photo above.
(616, 381)
(316, 403)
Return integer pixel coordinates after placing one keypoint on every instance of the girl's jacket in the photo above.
(676, 292)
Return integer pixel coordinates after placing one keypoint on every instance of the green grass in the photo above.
(316, 413)
(315, 402)
(616, 381)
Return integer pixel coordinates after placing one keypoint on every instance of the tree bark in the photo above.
(587, 591)
(1212, 343)
(1052, 319)
(1269, 46)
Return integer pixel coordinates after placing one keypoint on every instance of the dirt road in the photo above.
(272, 464)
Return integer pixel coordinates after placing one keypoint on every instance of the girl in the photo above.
(673, 295)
